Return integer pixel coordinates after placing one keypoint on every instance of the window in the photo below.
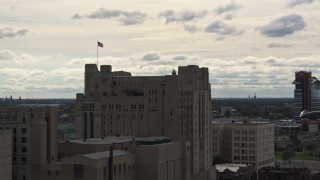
(24, 159)
(24, 149)
(78, 171)
(23, 130)
(23, 140)
(105, 172)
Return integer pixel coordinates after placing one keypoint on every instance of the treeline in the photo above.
(269, 108)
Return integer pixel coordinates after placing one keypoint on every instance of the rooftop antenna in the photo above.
(174, 72)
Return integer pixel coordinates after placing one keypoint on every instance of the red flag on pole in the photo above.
(100, 44)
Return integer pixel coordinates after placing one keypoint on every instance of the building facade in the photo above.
(244, 142)
(177, 106)
(34, 138)
(306, 94)
(6, 154)
(120, 158)
(310, 122)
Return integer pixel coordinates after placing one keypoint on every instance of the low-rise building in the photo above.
(244, 142)
(286, 127)
(235, 171)
(310, 121)
(121, 158)
(267, 173)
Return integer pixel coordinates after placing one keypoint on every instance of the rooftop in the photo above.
(153, 140)
(240, 121)
(231, 167)
(105, 140)
(105, 154)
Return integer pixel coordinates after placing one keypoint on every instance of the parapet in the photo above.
(91, 68)
(80, 95)
(187, 69)
(106, 68)
(121, 73)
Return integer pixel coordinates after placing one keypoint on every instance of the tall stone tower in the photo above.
(177, 106)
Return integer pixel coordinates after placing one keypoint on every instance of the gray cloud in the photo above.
(76, 16)
(221, 28)
(228, 17)
(271, 61)
(125, 17)
(231, 6)
(151, 56)
(191, 28)
(283, 26)
(250, 61)
(220, 38)
(294, 3)
(6, 56)
(179, 58)
(9, 32)
(279, 45)
(182, 16)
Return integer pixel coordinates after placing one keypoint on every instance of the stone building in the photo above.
(34, 138)
(176, 106)
(121, 158)
(244, 142)
(6, 154)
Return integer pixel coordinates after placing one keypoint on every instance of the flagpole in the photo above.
(97, 53)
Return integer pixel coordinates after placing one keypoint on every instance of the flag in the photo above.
(100, 44)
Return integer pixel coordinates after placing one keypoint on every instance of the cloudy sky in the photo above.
(249, 46)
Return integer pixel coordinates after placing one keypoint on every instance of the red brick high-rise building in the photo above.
(306, 94)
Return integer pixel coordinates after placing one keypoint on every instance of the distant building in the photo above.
(34, 138)
(5, 154)
(244, 142)
(306, 94)
(235, 171)
(65, 131)
(310, 122)
(227, 111)
(286, 127)
(177, 106)
(276, 173)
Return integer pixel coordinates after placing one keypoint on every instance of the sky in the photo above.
(249, 46)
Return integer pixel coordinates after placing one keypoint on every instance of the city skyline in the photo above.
(249, 47)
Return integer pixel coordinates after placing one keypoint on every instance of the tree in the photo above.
(287, 154)
(310, 147)
(295, 141)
